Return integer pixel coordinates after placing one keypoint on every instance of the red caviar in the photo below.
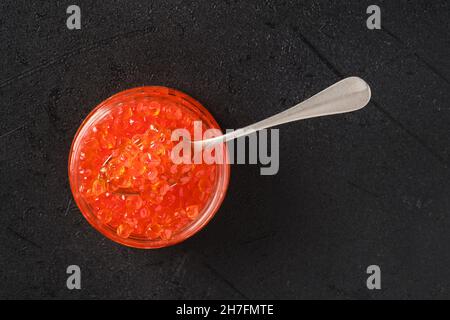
(122, 175)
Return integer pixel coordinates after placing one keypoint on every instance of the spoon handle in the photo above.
(347, 95)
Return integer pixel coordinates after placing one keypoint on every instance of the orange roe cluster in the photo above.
(126, 174)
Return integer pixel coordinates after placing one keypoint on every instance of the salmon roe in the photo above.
(122, 175)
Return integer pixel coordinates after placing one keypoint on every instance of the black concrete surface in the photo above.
(353, 190)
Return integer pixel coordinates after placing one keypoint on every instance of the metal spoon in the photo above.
(347, 95)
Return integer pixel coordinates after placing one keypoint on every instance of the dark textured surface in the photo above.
(354, 190)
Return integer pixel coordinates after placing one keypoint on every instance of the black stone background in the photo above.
(353, 190)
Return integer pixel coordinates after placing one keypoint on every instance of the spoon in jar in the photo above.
(347, 95)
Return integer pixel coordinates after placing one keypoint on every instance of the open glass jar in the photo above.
(124, 180)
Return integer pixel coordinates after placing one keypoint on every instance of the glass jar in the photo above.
(107, 108)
